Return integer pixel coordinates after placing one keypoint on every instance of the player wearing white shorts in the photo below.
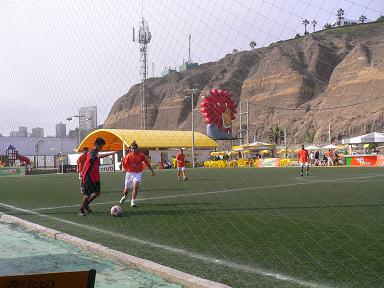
(181, 165)
(133, 165)
(303, 159)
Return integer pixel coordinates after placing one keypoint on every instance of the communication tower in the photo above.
(143, 37)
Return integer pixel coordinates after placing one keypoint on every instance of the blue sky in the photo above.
(56, 56)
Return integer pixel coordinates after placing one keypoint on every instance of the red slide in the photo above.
(23, 159)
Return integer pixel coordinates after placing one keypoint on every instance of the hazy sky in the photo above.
(56, 56)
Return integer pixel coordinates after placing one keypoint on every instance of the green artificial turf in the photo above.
(242, 227)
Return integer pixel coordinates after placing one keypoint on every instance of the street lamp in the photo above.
(79, 116)
(190, 93)
(37, 152)
(60, 157)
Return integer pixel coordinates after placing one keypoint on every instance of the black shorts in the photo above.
(90, 187)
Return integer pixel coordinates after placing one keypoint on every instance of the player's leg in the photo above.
(127, 186)
(307, 164)
(94, 195)
(135, 188)
(178, 173)
(302, 169)
(87, 191)
(184, 174)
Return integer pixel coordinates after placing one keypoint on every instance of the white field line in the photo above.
(212, 260)
(221, 191)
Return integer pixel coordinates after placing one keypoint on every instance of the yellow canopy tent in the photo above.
(218, 153)
(283, 151)
(260, 146)
(238, 148)
(147, 139)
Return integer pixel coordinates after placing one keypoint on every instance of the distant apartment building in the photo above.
(88, 118)
(61, 130)
(37, 132)
(23, 131)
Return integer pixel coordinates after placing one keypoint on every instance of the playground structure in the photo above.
(8, 162)
(12, 155)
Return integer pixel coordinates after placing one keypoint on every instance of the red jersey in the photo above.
(180, 160)
(133, 162)
(81, 162)
(303, 156)
(91, 167)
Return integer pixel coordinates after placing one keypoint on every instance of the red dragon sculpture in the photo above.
(218, 110)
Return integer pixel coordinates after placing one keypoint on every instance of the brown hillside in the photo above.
(326, 69)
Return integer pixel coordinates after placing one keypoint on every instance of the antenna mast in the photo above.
(143, 38)
(189, 49)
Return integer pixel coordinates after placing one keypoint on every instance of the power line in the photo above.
(316, 109)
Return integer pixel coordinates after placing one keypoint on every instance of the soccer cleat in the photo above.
(186, 178)
(122, 200)
(178, 179)
(82, 212)
(133, 203)
(302, 174)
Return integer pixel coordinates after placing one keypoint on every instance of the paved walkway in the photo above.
(24, 252)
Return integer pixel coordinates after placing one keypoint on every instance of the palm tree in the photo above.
(310, 135)
(340, 13)
(252, 44)
(305, 23)
(276, 134)
(362, 18)
(314, 23)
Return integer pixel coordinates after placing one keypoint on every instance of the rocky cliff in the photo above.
(292, 84)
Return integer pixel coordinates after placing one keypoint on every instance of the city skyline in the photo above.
(87, 121)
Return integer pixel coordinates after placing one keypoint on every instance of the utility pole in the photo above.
(244, 128)
(329, 133)
(191, 93)
(247, 121)
(285, 142)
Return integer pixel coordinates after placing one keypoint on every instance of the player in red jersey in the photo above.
(180, 158)
(303, 159)
(91, 176)
(80, 165)
(81, 161)
(133, 165)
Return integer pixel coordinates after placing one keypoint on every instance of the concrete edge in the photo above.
(167, 273)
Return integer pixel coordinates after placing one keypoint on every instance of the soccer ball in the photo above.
(116, 211)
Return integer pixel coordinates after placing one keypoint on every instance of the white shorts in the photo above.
(304, 164)
(131, 177)
(180, 169)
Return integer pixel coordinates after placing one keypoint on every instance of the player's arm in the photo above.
(149, 166)
(124, 164)
(106, 155)
(78, 164)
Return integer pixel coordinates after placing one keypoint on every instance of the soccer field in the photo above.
(242, 227)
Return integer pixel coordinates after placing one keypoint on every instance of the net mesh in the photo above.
(242, 227)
